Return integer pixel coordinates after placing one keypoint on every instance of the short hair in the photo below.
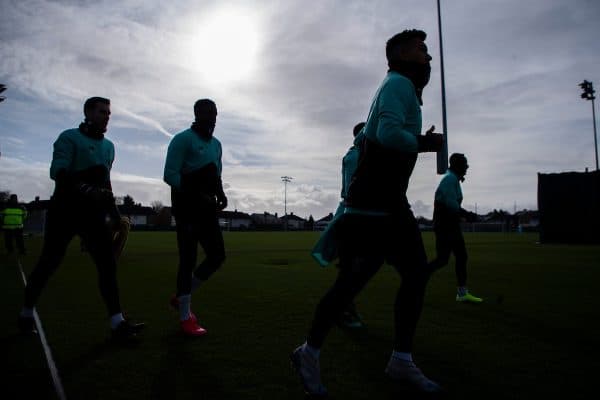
(399, 41)
(204, 105)
(91, 103)
(358, 128)
(458, 160)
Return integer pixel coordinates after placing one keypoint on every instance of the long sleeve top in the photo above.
(188, 152)
(390, 149)
(75, 152)
(395, 115)
(449, 192)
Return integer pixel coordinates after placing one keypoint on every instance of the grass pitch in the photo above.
(535, 336)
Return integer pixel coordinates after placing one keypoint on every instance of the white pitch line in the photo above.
(51, 365)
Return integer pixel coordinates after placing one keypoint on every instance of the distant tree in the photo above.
(163, 217)
(157, 205)
(128, 201)
(4, 196)
(310, 224)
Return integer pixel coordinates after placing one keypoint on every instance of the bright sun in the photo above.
(224, 46)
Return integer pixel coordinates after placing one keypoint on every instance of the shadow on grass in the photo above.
(183, 372)
(26, 373)
(98, 351)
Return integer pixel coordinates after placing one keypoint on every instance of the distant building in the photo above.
(235, 220)
(266, 221)
(294, 222)
(322, 223)
(528, 220)
(138, 215)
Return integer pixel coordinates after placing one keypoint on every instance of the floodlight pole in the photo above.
(588, 94)
(442, 155)
(286, 180)
(595, 135)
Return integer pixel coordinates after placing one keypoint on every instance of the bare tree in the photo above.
(4, 196)
(157, 205)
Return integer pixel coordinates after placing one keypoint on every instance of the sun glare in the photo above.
(224, 46)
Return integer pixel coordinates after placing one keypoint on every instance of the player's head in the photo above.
(459, 164)
(97, 112)
(407, 54)
(205, 109)
(13, 199)
(407, 46)
(205, 114)
(357, 128)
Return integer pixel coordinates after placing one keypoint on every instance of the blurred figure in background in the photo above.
(13, 217)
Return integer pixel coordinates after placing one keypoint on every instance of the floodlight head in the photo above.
(588, 90)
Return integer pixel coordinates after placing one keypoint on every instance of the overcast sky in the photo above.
(291, 79)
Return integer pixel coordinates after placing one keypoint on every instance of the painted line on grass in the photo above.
(60, 392)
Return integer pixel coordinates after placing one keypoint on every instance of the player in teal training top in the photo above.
(378, 225)
(447, 214)
(325, 251)
(193, 170)
(82, 204)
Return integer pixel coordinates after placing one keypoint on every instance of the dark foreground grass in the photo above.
(536, 335)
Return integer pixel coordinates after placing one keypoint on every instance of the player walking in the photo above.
(193, 170)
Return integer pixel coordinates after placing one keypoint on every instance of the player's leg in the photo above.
(460, 254)
(120, 236)
(350, 318)
(98, 237)
(58, 232)
(443, 249)
(8, 240)
(211, 240)
(20, 241)
(359, 261)
(187, 246)
(409, 258)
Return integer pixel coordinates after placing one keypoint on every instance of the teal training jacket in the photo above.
(395, 115)
(188, 152)
(449, 192)
(76, 152)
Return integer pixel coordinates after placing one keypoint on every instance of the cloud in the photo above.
(146, 120)
(512, 70)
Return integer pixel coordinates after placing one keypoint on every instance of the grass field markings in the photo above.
(60, 392)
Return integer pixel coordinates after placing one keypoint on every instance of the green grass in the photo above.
(540, 341)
